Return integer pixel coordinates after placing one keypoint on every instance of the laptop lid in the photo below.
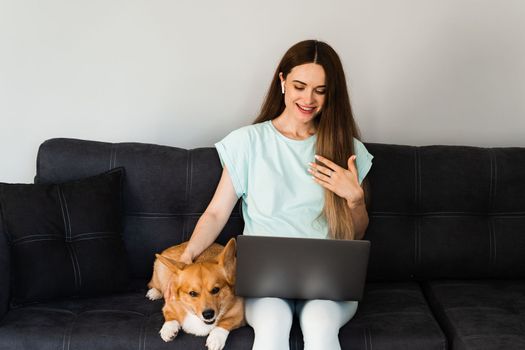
(301, 268)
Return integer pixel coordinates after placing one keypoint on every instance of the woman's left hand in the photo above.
(341, 181)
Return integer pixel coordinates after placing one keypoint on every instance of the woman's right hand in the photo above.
(186, 257)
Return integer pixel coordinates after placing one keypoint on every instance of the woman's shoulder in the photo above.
(249, 131)
(253, 128)
(363, 161)
(358, 145)
(361, 150)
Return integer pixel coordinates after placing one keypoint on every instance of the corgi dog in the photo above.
(199, 297)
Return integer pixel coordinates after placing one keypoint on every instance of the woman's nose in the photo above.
(309, 97)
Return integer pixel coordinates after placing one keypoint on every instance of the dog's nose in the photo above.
(208, 314)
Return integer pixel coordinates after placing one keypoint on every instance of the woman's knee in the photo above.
(325, 316)
(320, 322)
(271, 320)
(272, 314)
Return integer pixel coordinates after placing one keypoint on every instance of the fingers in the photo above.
(327, 162)
(320, 169)
(324, 183)
(185, 258)
(316, 174)
(331, 166)
(343, 182)
(351, 164)
(329, 169)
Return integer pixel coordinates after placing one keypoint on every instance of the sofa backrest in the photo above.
(447, 212)
(435, 211)
(166, 189)
(5, 271)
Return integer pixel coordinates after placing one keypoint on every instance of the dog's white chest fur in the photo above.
(194, 325)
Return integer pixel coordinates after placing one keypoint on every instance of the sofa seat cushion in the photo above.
(481, 315)
(121, 321)
(391, 316)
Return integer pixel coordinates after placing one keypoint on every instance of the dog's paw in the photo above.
(169, 330)
(217, 338)
(154, 294)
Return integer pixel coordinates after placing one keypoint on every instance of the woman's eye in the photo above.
(193, 294)
(215, 290)
(321, 92)
(299, 88)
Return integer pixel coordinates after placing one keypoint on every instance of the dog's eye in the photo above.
(215, 290)
(193, 294)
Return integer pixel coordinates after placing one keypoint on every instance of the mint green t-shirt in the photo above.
(270, 172)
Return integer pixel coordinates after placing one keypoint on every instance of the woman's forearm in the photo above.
(205, 233)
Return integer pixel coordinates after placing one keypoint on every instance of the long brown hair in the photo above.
(335, 123)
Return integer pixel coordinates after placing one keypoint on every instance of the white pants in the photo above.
(320, 320)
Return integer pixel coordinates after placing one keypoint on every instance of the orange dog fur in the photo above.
(199, 297)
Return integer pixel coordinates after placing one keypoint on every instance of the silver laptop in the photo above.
(301, 268)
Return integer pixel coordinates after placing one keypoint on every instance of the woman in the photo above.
(297, 173)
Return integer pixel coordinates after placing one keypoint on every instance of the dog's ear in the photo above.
(170, 293)
(174, 265)
(227, 260)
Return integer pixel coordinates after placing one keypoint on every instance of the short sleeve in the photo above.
(233, 153)
(363, 159)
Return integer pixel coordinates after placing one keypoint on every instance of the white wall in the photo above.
(186, 72)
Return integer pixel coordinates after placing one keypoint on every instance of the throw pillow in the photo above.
(65, 238)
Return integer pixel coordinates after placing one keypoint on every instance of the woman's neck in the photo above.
(292, 128)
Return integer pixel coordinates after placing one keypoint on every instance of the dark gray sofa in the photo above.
(447, 265)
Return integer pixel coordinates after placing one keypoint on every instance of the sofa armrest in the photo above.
(5, 272)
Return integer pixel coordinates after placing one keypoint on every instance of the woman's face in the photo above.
(304, 91)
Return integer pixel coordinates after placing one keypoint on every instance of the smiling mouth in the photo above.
(209, 322)
(305, 109)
